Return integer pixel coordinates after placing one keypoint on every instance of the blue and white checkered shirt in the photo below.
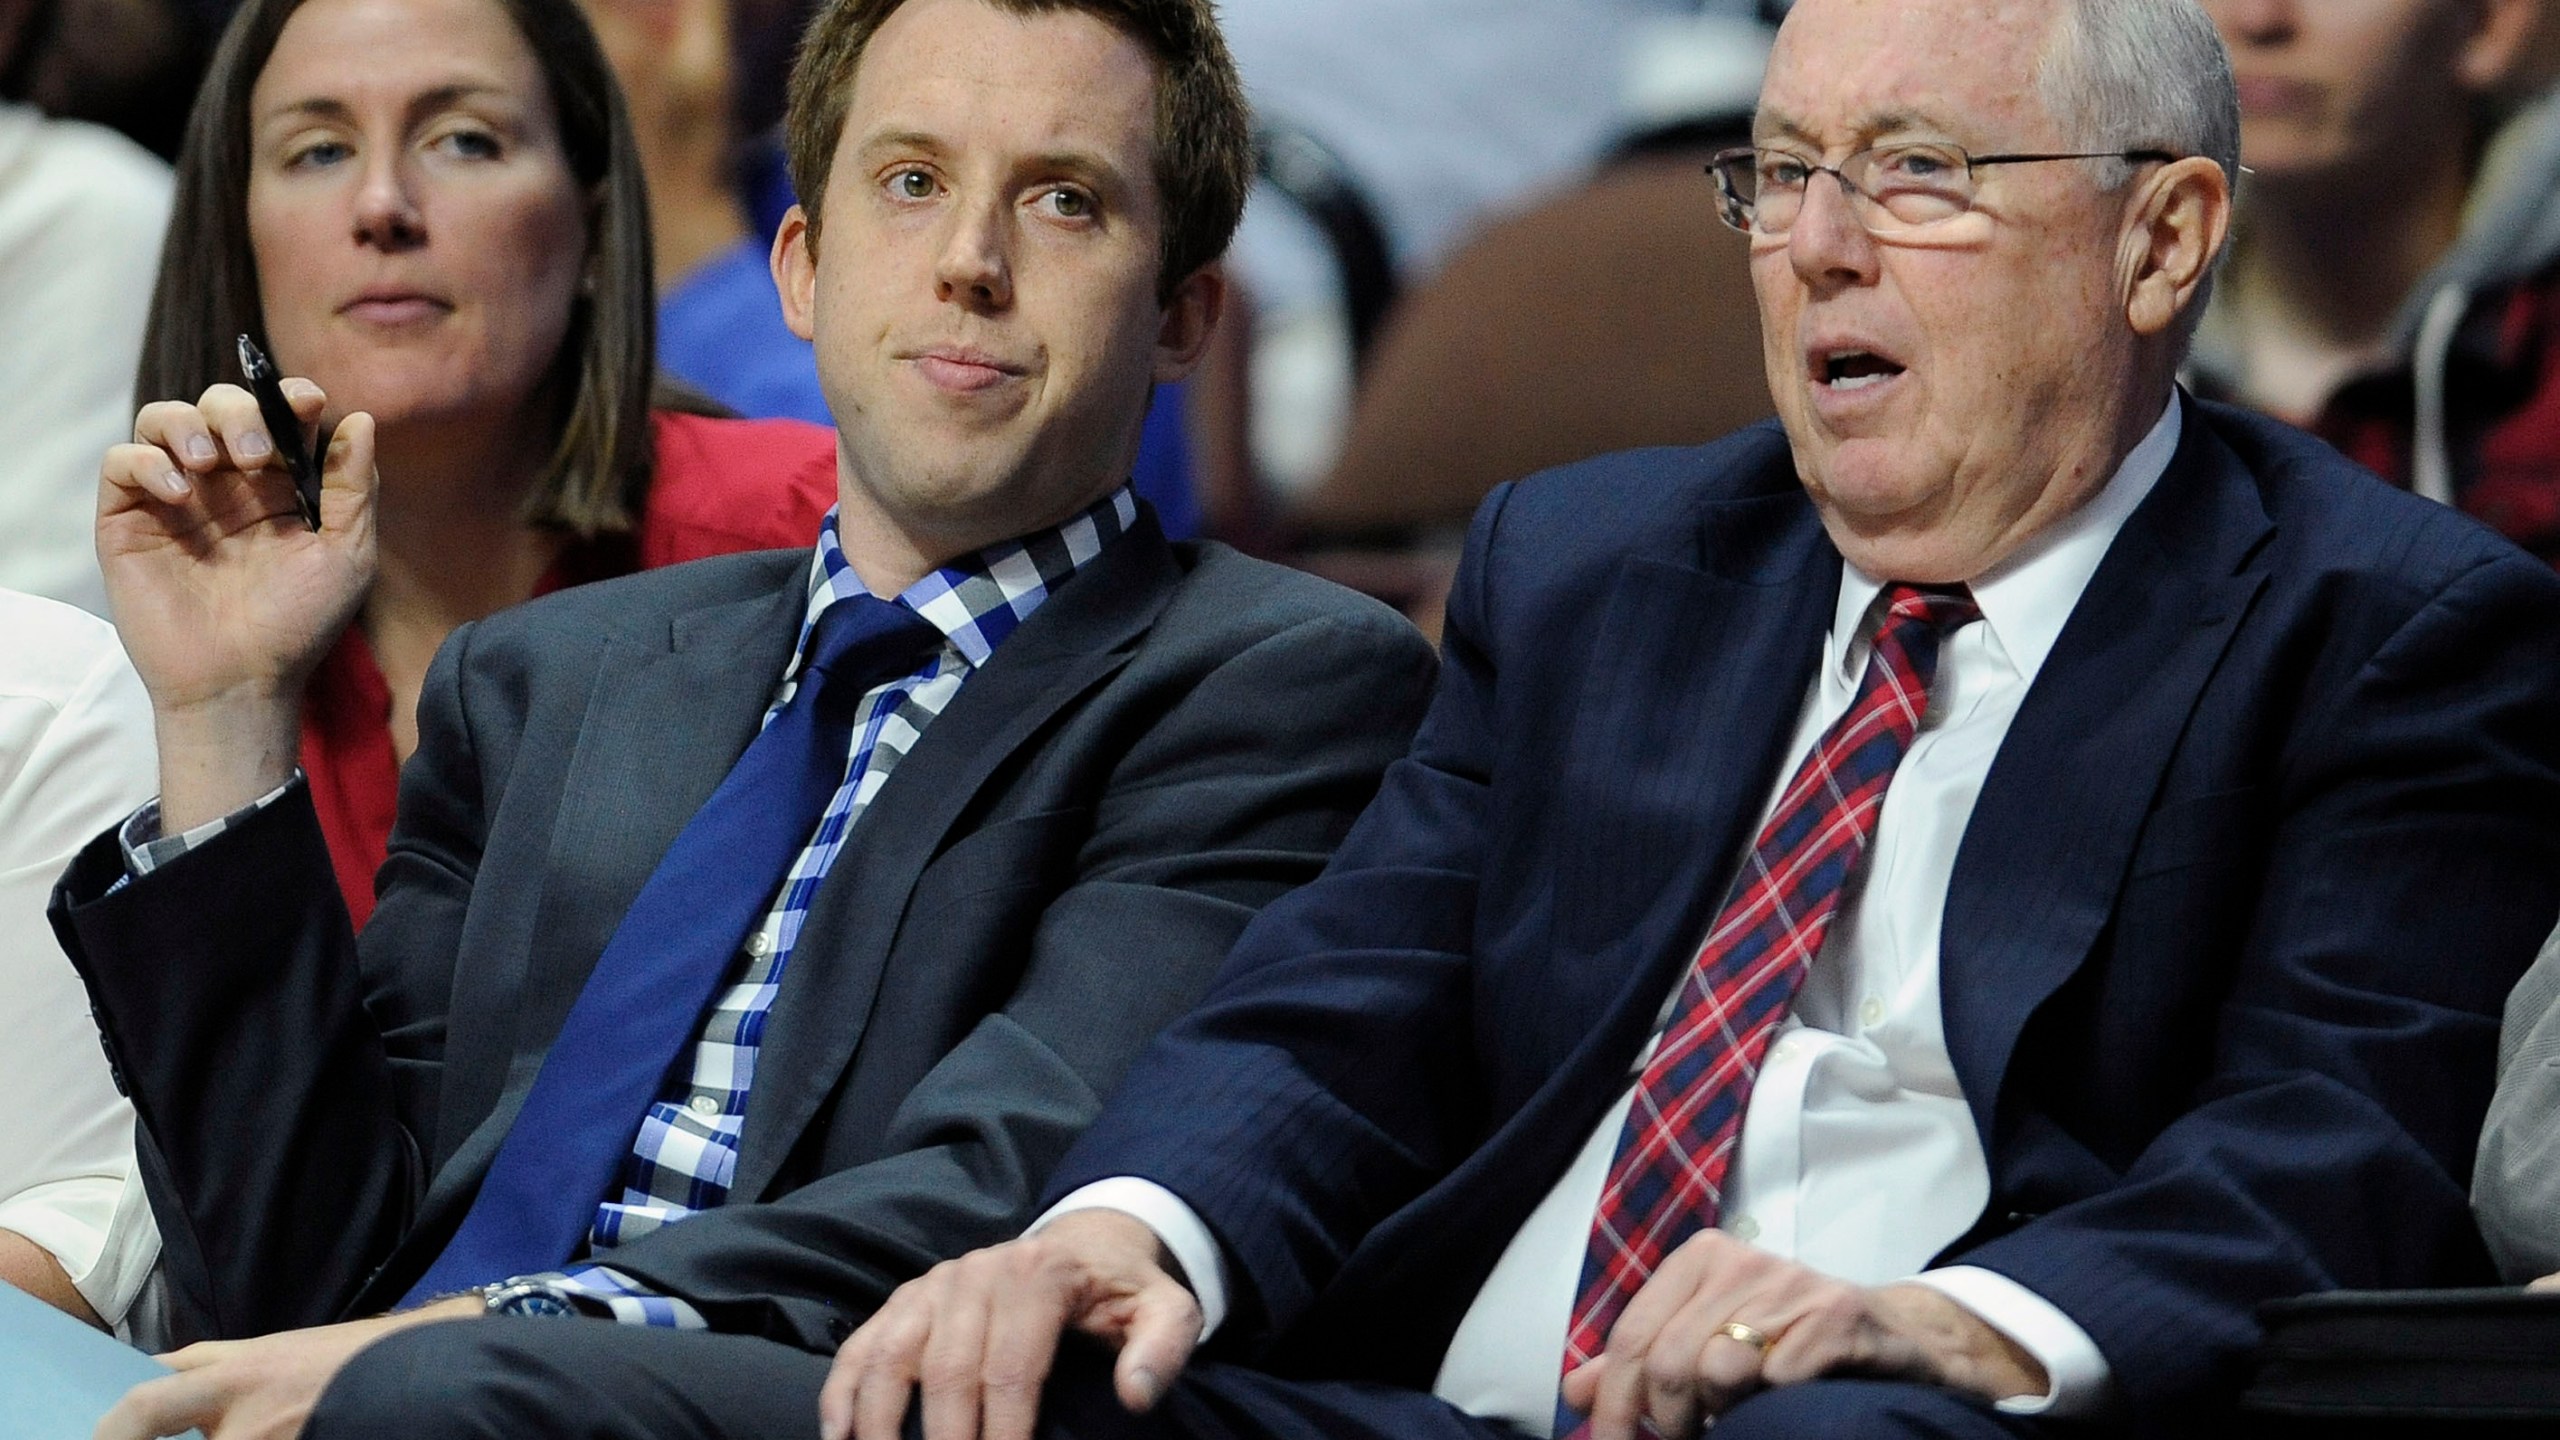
(686, 1154)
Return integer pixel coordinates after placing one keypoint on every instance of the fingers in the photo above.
(171, 1405)
(866, 1388)
(1162, 1331)
(176, 446)
(221, 430)
(181, 431)
(1671, 1362)
(955, 1349)
(348, 478)
(307, 399)
(136, 472)
(974, 1336)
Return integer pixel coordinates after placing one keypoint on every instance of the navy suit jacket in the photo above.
(2273, 833)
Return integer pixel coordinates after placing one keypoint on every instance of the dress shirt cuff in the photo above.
(146, 849)
(2077, 1380)
(1204, 1266)
(601, 1292)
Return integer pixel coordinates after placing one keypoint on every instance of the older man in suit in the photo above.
(756, 932)
(1908, 921)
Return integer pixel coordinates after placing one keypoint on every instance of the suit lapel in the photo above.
(1076, 640)
(1699, 672)
(668, 716)
(2053, 831)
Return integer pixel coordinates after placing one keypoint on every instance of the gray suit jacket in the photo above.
(2515, 1184)
(1177, 736)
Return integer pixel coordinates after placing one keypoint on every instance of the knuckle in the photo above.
(1011, 1376)
(895, 1343)
(1664, 1370)
(946, 1375)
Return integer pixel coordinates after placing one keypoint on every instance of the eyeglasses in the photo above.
(1891, 188)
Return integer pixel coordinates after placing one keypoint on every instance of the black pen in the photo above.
(283, 427)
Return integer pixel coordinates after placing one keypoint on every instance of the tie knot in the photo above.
(1939, 609)
(861, 640)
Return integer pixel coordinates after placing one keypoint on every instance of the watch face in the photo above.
(534, 1299)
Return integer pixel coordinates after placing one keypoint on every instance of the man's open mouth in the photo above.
(1857, 369)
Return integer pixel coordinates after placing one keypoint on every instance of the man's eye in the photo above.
(1917, 165)
(911, 185)
(1784, 175)
(1069, 204)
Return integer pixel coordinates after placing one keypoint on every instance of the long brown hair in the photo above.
(597, 477)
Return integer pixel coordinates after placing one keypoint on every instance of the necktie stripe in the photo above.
(1666, 1180)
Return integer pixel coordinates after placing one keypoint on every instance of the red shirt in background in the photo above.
(722, 486)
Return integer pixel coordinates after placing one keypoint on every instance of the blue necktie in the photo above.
(644, 1001)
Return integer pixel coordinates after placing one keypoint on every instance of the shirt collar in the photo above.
(2026, 599)
(980, 598)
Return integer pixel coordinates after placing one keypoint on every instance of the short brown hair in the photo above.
(1204, 133)
(597, 478)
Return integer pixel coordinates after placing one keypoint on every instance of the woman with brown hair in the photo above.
(433, 209)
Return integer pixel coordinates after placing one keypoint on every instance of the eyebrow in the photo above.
(329, 107)
(899, 140)
(1768, 126)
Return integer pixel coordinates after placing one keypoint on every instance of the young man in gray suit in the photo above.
(735, 961)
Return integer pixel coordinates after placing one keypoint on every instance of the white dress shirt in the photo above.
(1858, 1156)
(76, 754)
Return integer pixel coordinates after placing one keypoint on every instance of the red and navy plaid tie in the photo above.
(1667, 1181)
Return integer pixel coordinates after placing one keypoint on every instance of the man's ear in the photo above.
(2177, 225)
(2496, 46)
(1190, 319)
(795, 272)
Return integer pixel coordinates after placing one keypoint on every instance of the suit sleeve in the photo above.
(1236, 795)
(2515, 1187)
(1327, 1078)
(2412, 851)
(280, 1081)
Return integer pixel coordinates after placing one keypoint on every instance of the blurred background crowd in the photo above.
(1481, 245)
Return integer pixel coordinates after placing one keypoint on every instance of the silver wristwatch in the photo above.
(526, 1297)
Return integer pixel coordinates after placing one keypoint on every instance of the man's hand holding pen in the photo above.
(227, 599)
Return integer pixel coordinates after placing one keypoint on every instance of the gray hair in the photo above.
(2140, 74)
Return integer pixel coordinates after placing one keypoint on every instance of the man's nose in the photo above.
(387, 214)
(1828, 244)
(975, 267)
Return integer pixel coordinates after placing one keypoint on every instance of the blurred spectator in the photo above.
(720, 324)
(130, 65)
(75, 756)
(2395, 281)
(81, 211)
(1442, 115)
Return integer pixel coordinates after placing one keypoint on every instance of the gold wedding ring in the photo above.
(1735, 1330)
